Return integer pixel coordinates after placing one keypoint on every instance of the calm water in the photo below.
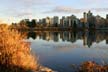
(59, 50)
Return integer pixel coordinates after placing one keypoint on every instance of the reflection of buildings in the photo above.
(68, 36)
(85, 35)
(31, 35)
(55, 36)
(88, 37)
(91, 38)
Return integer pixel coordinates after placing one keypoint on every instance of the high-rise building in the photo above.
(85, 17)
(73, 20)
(91, 20)
(40, 21)
(44, 21)
(64, 21)
(48, 21)
(61, 22)
(107, 20)
(69, 21)
(106, 41)
(55, 20)
(89, 14)
(51, 22)
(107, 16)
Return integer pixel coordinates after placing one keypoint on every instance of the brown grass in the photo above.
(14, 51)
(91, 66)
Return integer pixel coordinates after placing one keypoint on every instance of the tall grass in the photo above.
(91, 66)
(14, 51)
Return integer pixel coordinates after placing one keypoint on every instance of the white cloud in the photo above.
(19, 13)
(23, 14)
(65, 9)
(100, 9)
(32, 2)
(20, 8)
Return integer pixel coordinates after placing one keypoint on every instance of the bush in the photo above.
(14, 52)
(91, 66)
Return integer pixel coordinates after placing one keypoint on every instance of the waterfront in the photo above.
(60, 50)
(54, 36)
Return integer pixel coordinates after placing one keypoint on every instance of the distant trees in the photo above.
(31, 24)
(24, 24)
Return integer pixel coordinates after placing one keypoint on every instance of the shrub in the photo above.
(14, 52)
(91, 66)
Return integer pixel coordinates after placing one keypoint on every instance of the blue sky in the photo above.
(15, 10)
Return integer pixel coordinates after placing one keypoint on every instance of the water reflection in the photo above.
(58, 50)
(31, 34)
(88, 37)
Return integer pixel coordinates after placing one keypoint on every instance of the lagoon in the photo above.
(60, 50)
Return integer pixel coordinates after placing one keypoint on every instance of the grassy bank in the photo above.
(15, 53)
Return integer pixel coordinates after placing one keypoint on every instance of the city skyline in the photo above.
(15, 10)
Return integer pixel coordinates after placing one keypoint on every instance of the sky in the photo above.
(16, 10)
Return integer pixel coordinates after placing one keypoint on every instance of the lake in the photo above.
(60, 50)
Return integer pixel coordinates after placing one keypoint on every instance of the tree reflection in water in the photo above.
(88, 37)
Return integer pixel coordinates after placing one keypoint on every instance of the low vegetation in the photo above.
(91, 66)
(15, 55)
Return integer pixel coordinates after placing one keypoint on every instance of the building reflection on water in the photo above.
(88, 37)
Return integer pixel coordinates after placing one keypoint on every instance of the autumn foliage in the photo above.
(14, 51)
(91, 66)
